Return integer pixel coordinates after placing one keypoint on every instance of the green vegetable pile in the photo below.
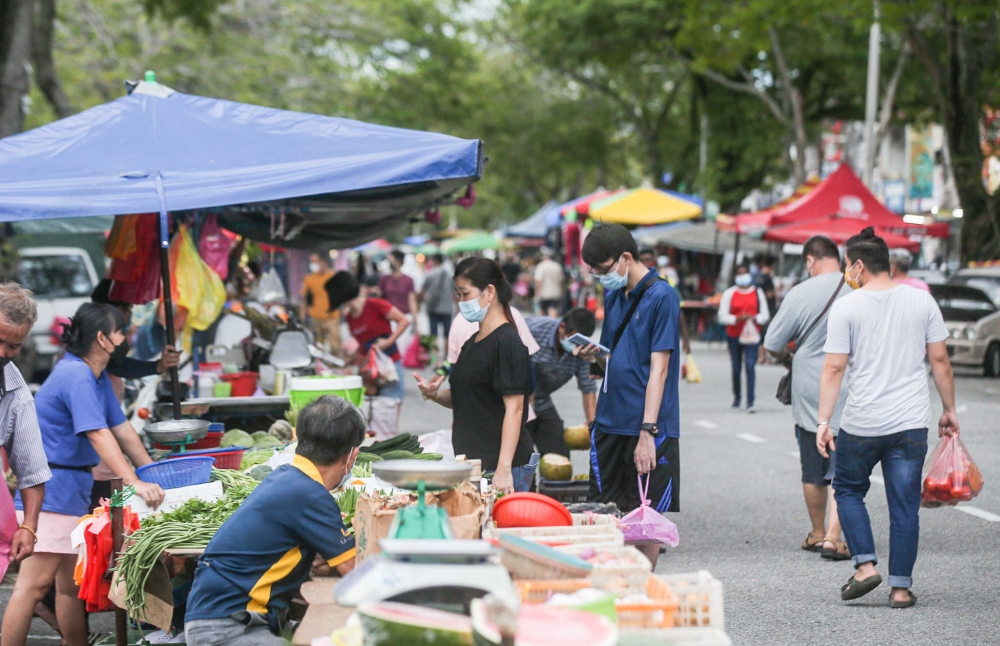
(190, 526)
(404, 446)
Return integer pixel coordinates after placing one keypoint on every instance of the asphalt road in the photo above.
(743, 519)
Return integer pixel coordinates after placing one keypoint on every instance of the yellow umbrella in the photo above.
(643, 206)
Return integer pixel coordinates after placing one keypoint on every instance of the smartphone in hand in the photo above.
(580, 340)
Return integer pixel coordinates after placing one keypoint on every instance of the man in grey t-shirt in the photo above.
(437, 297)
(880, 334)
(800, 309)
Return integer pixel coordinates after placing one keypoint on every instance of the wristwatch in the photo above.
(652, 429)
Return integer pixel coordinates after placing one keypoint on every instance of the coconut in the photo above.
(555, 467)
(577, 438)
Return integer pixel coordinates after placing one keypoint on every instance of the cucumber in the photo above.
(393, 443)
(429, 456)
(398, 455)
(365, 458)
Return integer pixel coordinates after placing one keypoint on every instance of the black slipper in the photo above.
(856, 589)
(909, 603)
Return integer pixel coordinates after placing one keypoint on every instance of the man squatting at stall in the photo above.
(262, 555)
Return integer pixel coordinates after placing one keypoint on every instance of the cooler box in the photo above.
(305, 389)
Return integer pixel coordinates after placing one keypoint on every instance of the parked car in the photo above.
(986, 279)
(62, 279)
(973, 321)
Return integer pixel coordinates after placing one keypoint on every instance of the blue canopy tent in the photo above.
(537, 225)
(297, 180)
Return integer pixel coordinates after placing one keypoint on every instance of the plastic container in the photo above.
(303, 390)
(623, 578)
(525, 559)
(539, 591)
(211, 441)
(659, 613)
(244, 383)
(230, 457)
(179, 472)
(223, 389)
(586, 535)
(699, 598)
(530, 510)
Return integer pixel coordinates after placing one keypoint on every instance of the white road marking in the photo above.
(795, 454)
(978, 513)
(877, 479)
(962, 408)
(750, 437)
(704, 423)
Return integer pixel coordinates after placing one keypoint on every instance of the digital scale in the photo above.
(421, 562)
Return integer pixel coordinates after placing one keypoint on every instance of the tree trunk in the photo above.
(41, 57)
(799, 130)
(15, 54)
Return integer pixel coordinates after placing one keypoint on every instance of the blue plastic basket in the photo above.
(178, 472)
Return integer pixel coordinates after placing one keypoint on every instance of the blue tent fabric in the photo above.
(329, 180)
(537, 225)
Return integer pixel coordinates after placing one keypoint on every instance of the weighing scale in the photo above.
(421, 562)
(177, 433)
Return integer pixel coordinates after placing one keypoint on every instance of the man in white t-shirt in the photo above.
(880, 334)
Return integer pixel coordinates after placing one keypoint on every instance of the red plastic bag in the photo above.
(8, 527)
(214, 246)
(950, 475)
(416, 356)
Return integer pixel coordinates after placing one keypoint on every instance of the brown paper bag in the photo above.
(464, 506)
(159, 609)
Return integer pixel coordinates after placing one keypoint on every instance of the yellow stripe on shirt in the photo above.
(342, 558)
(260, 595)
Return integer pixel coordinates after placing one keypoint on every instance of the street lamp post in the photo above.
(871, 101)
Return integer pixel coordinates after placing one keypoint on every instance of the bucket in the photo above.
(305, 389)
(244, 383)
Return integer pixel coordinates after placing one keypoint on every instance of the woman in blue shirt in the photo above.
(82, 423)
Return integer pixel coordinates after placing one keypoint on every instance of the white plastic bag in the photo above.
(750, 335)
(270, 289)
(438, 442)
(383, 416)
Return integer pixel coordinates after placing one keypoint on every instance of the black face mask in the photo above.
(120, 353)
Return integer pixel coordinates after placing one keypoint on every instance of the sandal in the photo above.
(811, 545)
(855, 589)
(909, 603)
(841, 553)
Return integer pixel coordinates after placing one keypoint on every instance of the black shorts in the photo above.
(816, 470)
(614, 478)
(546, 305)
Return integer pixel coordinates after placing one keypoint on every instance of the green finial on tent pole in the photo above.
(150, 76)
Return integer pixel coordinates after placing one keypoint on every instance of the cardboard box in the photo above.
(464, 506)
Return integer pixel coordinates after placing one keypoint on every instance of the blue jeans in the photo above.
(902, 457)
(740, 354)
(523, 476)
(396, 389)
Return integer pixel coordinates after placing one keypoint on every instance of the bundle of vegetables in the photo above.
(255, 457)
(190, 526)
(404, 446)
(348, 503)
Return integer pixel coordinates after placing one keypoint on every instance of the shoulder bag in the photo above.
(784, 394)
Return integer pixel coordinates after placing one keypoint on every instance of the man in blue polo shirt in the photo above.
(264, 552)
(637, 426)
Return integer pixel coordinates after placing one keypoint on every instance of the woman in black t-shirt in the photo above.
(490, 382)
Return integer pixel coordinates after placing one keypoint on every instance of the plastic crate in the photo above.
(699, 598)
(620, 579)
(658, 613)
(535, 591)
(674, 637)
(572, 491)
(586, 535)
(210, 441)
(228, 458)
(594, 519)
(179, 472)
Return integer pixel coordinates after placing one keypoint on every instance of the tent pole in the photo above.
(736, 249)
(168, 303)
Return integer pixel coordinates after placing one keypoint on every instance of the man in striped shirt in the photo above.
(20, 436)
(554, 365)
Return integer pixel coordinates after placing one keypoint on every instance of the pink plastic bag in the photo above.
(416, 356)
(646, 526)
(8, 526)
(214, 246)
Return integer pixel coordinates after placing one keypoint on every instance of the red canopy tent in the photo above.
(837, 229)
(841, 194)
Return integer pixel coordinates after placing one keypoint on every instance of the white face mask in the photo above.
(347, 475)
(314, 268)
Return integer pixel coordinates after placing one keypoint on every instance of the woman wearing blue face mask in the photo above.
(743, 310)
(490, 382)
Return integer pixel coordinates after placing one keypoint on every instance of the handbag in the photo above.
(784, 394)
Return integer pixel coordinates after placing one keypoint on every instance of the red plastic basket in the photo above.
(244, 383)
(527, 509)
(210, 441)
(228, 458)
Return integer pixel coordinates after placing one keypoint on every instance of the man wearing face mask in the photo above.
(802, 321)
(315, 309)
(637, 427)
(264, 552)
(879, 335)
(555, 364)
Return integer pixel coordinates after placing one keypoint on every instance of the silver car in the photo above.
(973, 321)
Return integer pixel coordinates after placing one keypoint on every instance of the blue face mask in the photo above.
(471, 310)
(612, 280)
(744, 280)
(567, 346)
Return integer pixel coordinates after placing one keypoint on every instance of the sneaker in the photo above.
(736, 405)
(751, 409)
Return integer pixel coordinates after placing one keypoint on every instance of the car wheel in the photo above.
(991, 365)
